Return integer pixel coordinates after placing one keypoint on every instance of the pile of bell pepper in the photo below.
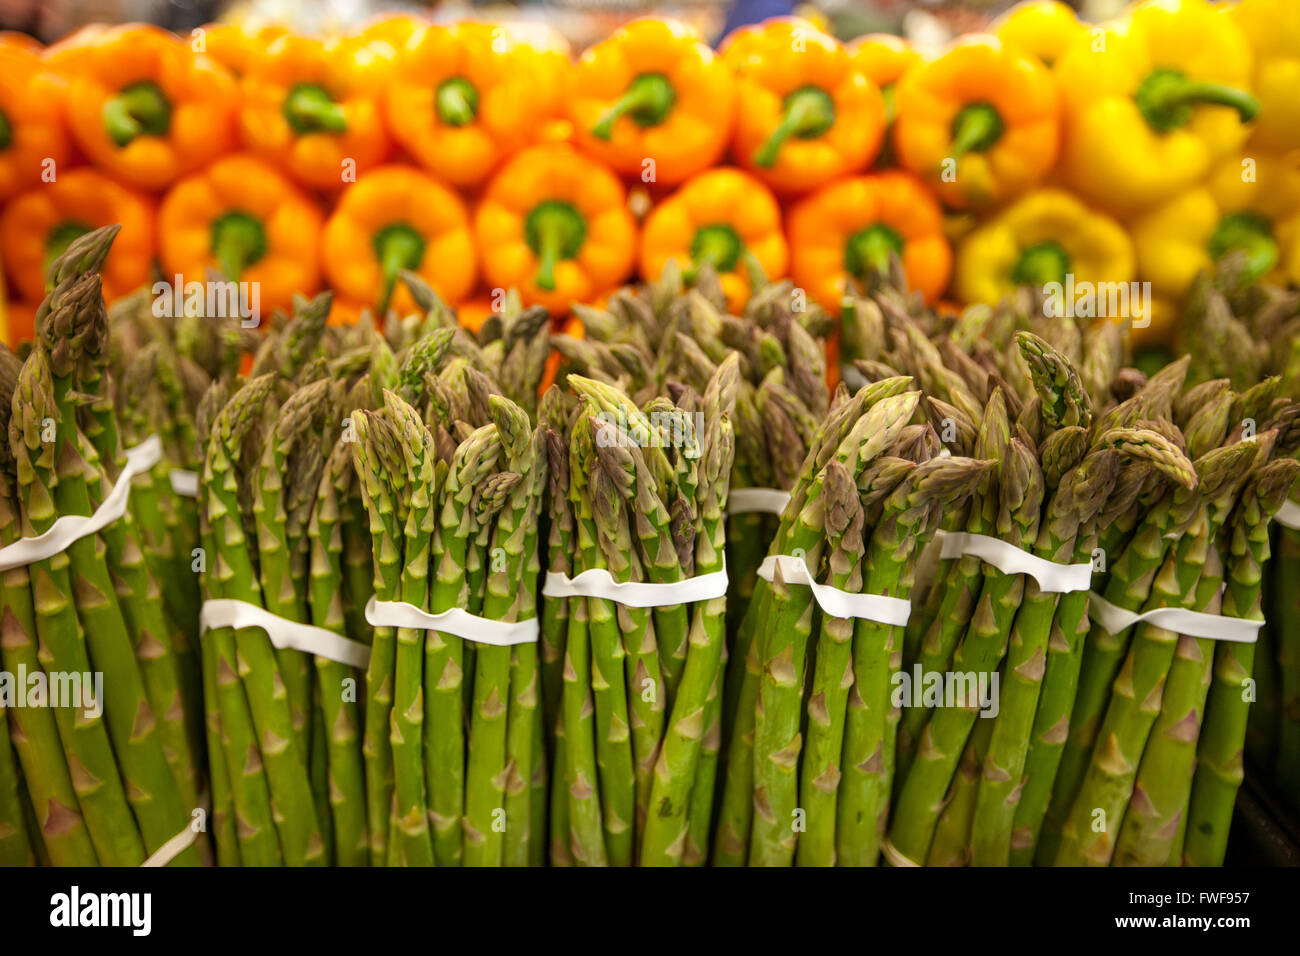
(486, 157)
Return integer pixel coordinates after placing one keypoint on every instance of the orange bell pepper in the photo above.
(144, 108)
(65, 54)
(31, 120)
(234, 46)
(718, 217)
(395, 29)
(19, 323)
(653, 92)
(981, 123)
(463, 98)
(554, 225)
(245, 219)
(883, 59)
(13, 40)
(38, 225)
(394, 218)
(314, 109)
(849, 228)
(808, 115)
(549, 52)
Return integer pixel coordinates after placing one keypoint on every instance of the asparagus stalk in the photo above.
(910, 514)
(1219, 752)
(682, 767)
(940, 746)
(1078, 499)
(233, 575)
(342, 718)
(777, 740)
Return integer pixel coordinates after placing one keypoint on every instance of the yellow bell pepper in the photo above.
(1042, 237)
(1153, 103)
(1259, 216)
(1044, 28)
(1272, 28)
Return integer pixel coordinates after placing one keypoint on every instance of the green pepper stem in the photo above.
(310, 109)
(887, 94)
(1040, 264)
(238, 241)
(554, 231)
(60, 237)
(1166, 97)
(868, 250)
(648, 100)
(976, 128)
(1248, 233)
(6, 131)
(141, 109)
(809, 112)
(718, 246)
(457, 101)
(397, 247)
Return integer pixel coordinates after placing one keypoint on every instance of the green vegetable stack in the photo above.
(110, 775)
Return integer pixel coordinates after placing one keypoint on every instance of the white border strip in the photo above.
(284, 634)
(1007, 558)
(1177, 619)
(1288, 516)
(185, 483)
(599, 583)
(765, 500)
(172, 848)
(837, 603)
(70, 528)
(456, 621)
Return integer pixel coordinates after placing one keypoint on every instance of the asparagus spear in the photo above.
(941, 744)
(100, 789)
(1080, 496)
(342, 717)
(445, 662)
(1134, 702)
(233, 575)
(410, 449)
(777, 740)
(489, 769)
(682, 765)
(1219, 751)
(964, 578)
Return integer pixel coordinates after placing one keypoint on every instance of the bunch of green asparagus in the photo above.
(1104, 745)
(100, 748)
(1246, 332)
(647, 333)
